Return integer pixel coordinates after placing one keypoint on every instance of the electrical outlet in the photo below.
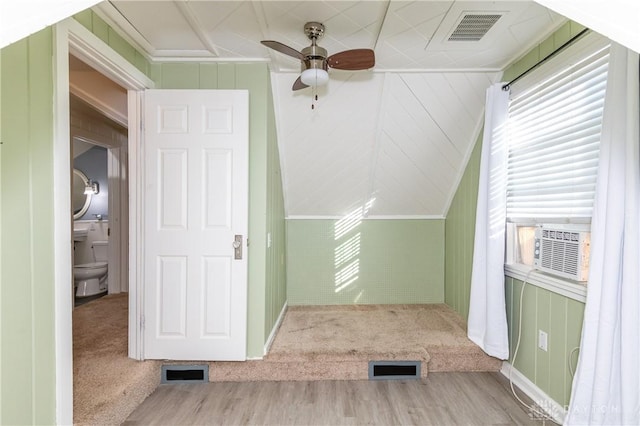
(542, 340)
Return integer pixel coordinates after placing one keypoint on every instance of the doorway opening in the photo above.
(71, 38)
(98, 146)
(98, 123)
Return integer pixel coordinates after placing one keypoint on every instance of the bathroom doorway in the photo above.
(90, 207)
(98, 130)
(70, 37)
(98, 124)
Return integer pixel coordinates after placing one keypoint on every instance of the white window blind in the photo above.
(555, 119)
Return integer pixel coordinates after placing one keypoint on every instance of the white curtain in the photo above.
(606, 387)
(487, 323)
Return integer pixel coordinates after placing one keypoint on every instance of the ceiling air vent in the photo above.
(473, 26)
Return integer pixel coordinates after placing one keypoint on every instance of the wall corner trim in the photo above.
(275, 328)
(539, 397)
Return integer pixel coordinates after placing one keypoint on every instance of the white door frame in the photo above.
(118, 257)
(71, 37)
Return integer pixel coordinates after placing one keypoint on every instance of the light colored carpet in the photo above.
(434, 333)
(107, 386)
(337, 343)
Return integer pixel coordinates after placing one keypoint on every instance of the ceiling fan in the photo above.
(314, 60)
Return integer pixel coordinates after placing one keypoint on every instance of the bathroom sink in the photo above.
(80, 235)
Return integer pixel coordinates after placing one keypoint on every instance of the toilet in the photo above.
(91, 278)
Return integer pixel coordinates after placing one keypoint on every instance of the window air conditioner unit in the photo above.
(562, 251)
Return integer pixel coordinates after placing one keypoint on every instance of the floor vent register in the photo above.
(394, 370)
(184, 374)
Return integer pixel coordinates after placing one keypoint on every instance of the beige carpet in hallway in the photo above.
(107, 385)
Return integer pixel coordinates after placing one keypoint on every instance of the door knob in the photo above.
(237, 247)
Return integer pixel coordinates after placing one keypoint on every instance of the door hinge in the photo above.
(142, 322)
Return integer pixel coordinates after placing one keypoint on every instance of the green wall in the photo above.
(460, 227)
(559, 316)
(266, 208)
(276, 285)
(366, 262)
(27, 347)
(105, 33)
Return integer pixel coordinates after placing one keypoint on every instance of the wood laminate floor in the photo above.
(440, 399)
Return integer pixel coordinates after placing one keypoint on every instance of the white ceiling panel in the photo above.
(399, 134)
(427, 130)
(327, 151)
(168, 30)
(402, 142)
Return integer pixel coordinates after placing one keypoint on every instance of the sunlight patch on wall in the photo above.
(347, 275)
(352, 220)
(346, 259)
(347, 250)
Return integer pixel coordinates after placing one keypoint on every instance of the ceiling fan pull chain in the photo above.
(315, 89)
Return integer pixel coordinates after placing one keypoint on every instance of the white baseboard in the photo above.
(275, 328)
(544, 401)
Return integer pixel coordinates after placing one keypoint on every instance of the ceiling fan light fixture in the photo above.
(314, 61)
(314, 77)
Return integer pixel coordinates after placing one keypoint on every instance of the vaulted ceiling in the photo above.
(395, 138)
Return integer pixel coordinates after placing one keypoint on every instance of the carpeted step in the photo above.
(448, 360)
(263, 370)
(337, 343)
(433, 333)
(314, 365)
(345, 367)
(107, 385)
(353, 355)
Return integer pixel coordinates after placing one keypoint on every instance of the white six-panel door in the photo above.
(195, 204)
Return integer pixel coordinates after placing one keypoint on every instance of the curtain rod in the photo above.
(549, 56)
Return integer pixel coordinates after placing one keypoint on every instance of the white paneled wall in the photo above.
(402, 139)
(327, 152)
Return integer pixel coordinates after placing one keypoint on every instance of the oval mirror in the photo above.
(80, 200)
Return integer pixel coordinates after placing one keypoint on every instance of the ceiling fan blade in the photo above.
(283, 48)
(298, 84)
(352, 60)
